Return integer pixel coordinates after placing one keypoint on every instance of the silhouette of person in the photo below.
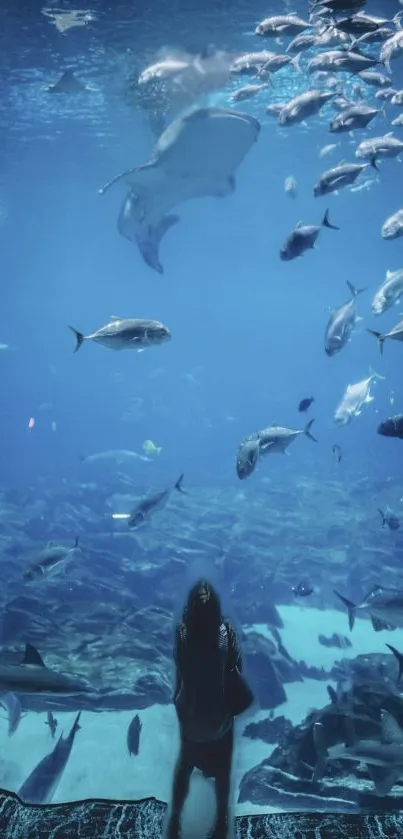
(205, 645)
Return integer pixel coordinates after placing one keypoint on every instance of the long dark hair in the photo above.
(202, 614)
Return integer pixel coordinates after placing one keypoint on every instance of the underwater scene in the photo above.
(201, 447)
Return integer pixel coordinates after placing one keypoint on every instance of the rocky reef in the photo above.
(367, 685)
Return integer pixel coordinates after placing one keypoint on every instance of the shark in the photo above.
(383, 757)
(32, 676)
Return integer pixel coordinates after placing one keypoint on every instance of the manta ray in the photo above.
(196, 156)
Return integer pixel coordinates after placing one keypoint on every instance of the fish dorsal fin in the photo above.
(298, 225)
(50, 544)
(391, 731)
(341, 163)
(389, 134)
(32, 656)
(115, 317)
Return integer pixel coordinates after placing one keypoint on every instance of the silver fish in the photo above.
(276, 25)
(374, 79)
(118, 456)
(303, 237)
(392, 228)
(379, 147)
(303, 106)
(340, 176)
(356, 116)
(384, 606)
(275, 439)
(248, 456)
(354, 399)
(151, 504)
(49, 562)
(126, 334)
(344, 61)
(246, 92)
(341, 323)
(397, 98)
(389, 292)
(392, 49)
(251, 62)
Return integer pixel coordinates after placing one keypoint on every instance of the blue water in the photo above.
(247, 329)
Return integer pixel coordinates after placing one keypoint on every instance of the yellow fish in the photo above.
(151, 448)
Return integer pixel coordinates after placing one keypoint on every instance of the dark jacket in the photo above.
(199, 694)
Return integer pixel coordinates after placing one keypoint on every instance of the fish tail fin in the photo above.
(295, 63)
(398, 655)
(79, 338)
(351, 607)
(178, 485)
(373, 162)
(355, 291)
(397, 20)
(307, 431)
(380, 338)
(327, 223)
(375, 374)
(382, 515)
(321, 752)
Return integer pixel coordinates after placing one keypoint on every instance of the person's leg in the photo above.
(180, 789)
(223, 786)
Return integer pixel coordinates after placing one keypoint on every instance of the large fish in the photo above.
(247, 457)
(126, 334)
(386, 146)
(354, 398)
(49, 562)
(275, 439)
(389, 292)
(384, 606)
(196, 156)
(341, 323)
(303, 238)
(392, 228)
(41, 784)
(33, 677)
(304, 105)
(340, 176)
(148, 506)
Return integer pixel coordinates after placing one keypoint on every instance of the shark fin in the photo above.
(32, 656)
(384, 778)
